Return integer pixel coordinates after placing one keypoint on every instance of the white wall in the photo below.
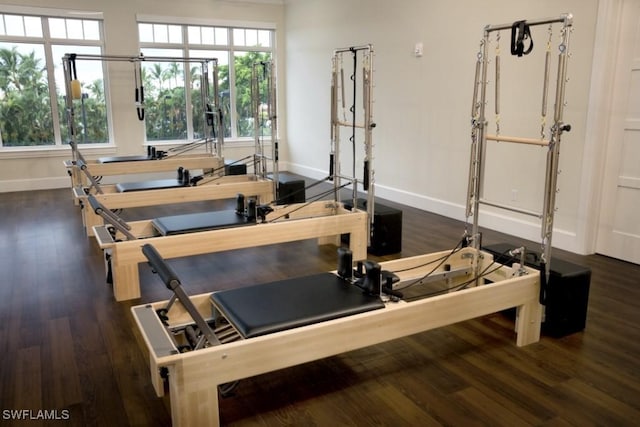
(422, 105)
(43, 169)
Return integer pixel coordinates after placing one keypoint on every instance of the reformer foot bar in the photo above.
(520, 36)
(267, 327)
(220, 231)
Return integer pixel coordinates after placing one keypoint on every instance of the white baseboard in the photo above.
(12, 185)
(562, 239)
(529, 230)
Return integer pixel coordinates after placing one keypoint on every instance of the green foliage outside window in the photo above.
(25, 110)
(243, 67)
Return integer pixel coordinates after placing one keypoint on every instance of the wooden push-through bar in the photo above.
(518, 140)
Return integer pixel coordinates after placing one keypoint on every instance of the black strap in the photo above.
(519, 33)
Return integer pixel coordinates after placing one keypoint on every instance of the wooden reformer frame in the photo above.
(224, 187)
(322, 220)
(194, 377)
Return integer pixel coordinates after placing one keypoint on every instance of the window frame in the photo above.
(230, 48)
(48, 42)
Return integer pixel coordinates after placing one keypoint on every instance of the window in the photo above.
(168, 92)
(32, 111)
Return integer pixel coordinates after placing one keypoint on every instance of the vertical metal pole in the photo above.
(553, 155)
(334, 157)
(273, 116)
(204, 99)
(352, 138)
(481, 141)
(218, 119)
(367, 82)
(255, 107)
(66, 65)
(474, 140)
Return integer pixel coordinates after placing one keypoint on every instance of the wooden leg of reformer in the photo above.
(126, 281)
(194, 399)
(528, 319)
(329, 240)
(156, 379)
(358, 244)
(90, 219)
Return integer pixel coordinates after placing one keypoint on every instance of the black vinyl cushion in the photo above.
(277, 306)
(157, 184)
(202, 221)
(117, 159)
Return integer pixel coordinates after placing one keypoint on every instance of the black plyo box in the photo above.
(567, 291)
(232, 168)
(290, 189)
(387, 227)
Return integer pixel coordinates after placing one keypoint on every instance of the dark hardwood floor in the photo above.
(68, 348)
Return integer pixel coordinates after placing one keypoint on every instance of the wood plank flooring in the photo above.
(68, 348)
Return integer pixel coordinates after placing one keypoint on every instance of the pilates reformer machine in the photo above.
(249, 225)
(203, 345)
(214, 183)
(521, 45)
(212, 140)
(131, 195)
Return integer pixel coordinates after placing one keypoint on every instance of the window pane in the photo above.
(164, 96)
(238, 37)
(2, 30)
(14, 25)
(160, 33)
(251, 37)
(194, 35)
(207, 36)
(243, 63)
(222, 36)
(57, 28)
(145, 32)
(91, 30)
(90, 110)
(264, 38)
(33, 26)
(223, 88)
(25, 108)
(74, 29)
(175, 34)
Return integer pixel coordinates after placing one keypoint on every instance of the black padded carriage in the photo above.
(117, 159)
(202, 221)
(156, 184)
(291, 303)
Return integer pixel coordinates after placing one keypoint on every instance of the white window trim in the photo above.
(159, 19)
(50, 12)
